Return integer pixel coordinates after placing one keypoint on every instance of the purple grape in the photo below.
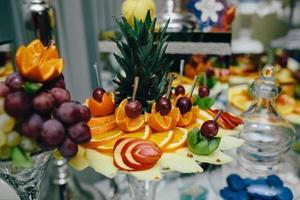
(80, 133)
(4, 90)
(68, 148)
(60, 95)
(32, 127)
(43, 103)
(17, 104)
(14, 81)
(184, 104)
(68, 113)
(98, 94)
(85, 113)
(53, 132)
(58, 82)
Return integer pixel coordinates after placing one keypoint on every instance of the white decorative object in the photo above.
(209, 9)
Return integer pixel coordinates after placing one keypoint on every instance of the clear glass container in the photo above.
(267, 135)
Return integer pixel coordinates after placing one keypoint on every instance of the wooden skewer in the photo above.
(135, 87)
(193, 86)
(181, 71)
(218, 115)
(97, 74)
(170, 86)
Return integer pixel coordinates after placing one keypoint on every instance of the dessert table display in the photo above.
(37, 116)
(142, 128)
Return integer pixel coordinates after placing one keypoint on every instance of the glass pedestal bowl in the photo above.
(26, 181)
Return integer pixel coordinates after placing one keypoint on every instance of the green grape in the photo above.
(13, 139)
(1, 105)
(5, 152)
(7, 122)
(29, 145)
(3, 139)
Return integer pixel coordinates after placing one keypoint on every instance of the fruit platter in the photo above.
(144, 128)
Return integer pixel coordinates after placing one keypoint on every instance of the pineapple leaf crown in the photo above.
(142, 54)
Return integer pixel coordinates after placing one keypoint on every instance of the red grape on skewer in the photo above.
(184, 103)
(163, 106)
(179, 90)
(134, 108)
(203, 91)
(210, 128)
(98, 94)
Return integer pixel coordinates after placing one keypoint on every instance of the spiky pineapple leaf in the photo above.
(143, 54)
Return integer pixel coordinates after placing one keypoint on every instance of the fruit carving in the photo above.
(128, 114)
(203, 141)
(226, 120)
(187, 110)
(147, 134)
(164, 116)
(39, 63)
(101, 103)
(39, 115)
(132, 154)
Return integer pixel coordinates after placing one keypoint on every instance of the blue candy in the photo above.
(241, 195)
(227, 194)
(274, 180)
(260, 191)
(259, 181)
(248, 181)
(283, 193)
(235, 182)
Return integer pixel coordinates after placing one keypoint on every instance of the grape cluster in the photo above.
(46, 117)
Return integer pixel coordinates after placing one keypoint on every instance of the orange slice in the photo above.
(36, 47)
(49, 70)
(128, 124)
(103, 138)
(98, 121)
(162, 139)
(178, 140)
(107, 147)
(142, 134)
(104, 108)
(163, 123)
(20, 55)
(103, 128)
(50, 53)
(189, 118)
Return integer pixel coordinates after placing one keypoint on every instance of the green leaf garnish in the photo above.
(200, 145)
(20, 158)
(210, 82)
(203, 103)
(32, 88)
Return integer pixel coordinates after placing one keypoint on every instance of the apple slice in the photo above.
(133, 154)
(118, 159)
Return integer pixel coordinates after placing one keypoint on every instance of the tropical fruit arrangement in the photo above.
(145, 128)
(36, 111)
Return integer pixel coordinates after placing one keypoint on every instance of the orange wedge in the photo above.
(189, 118)
(144, 133)
(104, 108)
(162, 139)
(98, 121)
(103, 138)
(107, 147)
(96, 130)
(19, 55)
(178, 140)
(128, 124)
(50, 53)
(36, 47)
(163, 123)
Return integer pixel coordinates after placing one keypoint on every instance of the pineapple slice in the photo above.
(177, 162)
(150, 174)
(79, 162)
(101, 163)
(217, 157)
(229, 142)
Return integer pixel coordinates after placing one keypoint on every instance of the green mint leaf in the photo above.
(32, 88)
(20, 158)
(204, 103)
(210, 82)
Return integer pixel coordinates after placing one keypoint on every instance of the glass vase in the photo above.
(26, 181)
(140, 189)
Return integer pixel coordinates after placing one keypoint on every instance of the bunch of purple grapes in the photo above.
(47, 115)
